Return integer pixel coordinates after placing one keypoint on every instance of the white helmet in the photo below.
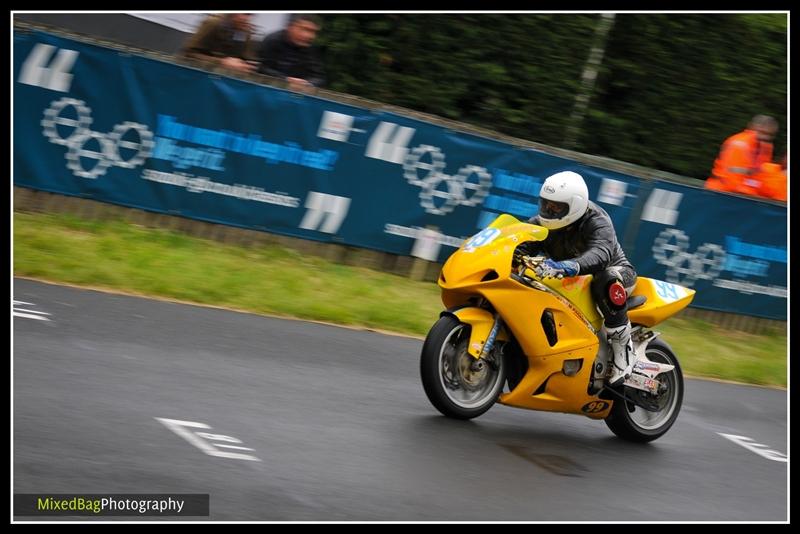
(563, 199)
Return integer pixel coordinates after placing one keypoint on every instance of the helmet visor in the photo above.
(550, 209)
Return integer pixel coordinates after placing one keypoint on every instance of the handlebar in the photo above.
(534, 263)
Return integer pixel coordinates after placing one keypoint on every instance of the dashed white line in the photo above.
(31, 311)
(758, 448)
(196, 438)
(28, 314)
(234, 447)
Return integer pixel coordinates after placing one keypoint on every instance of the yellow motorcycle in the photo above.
(513, 337)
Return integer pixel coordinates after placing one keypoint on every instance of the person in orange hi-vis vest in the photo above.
(737, 168)
(773, 180)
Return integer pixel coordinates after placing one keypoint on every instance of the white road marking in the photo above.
(235, 447)
(28, 314)
(31, 311)
(758, 448)
(196, 438)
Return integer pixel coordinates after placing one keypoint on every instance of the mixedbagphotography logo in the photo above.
(160, 504)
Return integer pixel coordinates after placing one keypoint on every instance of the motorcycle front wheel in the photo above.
(634, 423)
(458, 385)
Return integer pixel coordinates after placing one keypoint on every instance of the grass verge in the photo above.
(276, 280)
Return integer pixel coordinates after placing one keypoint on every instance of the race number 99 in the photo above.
(482, 238)
(594, 407)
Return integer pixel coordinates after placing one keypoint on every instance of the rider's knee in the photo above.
(610, 294)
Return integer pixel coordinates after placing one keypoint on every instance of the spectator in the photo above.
(740, 161)
(773, 180)
(289, 54)
(226, 39)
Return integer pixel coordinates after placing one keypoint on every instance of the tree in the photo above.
(671, 87)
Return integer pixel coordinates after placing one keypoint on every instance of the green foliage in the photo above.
(679, 85)
(671, 87)
(515, 74)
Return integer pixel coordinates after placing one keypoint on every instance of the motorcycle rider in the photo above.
(582, 240)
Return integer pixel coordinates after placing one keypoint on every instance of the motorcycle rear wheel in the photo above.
(449, 375)
(634, 423)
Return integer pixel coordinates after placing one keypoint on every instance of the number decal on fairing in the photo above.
(484, 237)
(595, 407)
(667, 291)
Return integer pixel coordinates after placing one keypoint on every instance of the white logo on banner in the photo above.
(335, 126)
(662, 207)
(55, 77)
(56, 121)
(671, 247)
(469, 187)
(323, 207)
(612, 192)
(389, 142)
(460, 190)
(427, 244)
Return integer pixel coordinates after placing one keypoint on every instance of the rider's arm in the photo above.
(599, 235)
(534, 248)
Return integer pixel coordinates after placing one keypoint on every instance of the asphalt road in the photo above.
(332, 424)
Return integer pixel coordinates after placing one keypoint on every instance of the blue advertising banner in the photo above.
(732, 250)
(99, 123)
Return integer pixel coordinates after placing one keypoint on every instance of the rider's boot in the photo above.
(619, 338)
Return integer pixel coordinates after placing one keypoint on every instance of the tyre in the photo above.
(634, 423)
(458, 385)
